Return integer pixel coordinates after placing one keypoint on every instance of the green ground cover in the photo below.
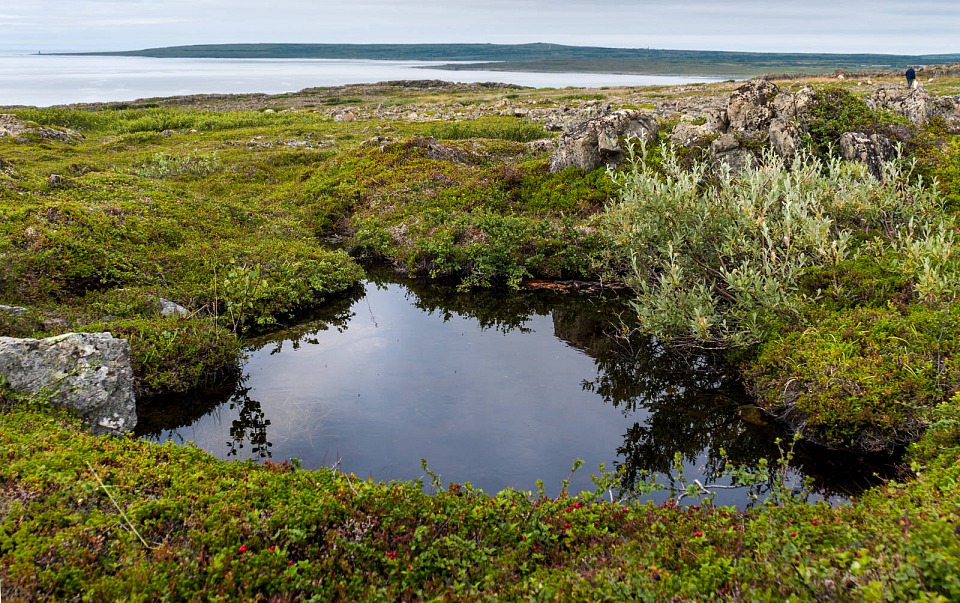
(834, 291)
(109, 519)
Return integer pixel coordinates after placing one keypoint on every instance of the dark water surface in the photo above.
(494, 389)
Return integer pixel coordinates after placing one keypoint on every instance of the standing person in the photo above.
(911, 76)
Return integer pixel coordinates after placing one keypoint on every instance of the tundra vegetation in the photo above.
(833, 289)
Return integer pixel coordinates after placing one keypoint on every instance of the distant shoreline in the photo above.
(553, 58)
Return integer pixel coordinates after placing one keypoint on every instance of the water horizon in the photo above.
(41, 80)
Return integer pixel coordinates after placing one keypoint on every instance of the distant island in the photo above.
(542, 57)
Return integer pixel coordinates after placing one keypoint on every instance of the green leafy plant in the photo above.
(161, 165)
(718, 265)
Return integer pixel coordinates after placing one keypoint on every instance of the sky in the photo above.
(821, 26)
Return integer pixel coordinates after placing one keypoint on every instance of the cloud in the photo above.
(926, 26)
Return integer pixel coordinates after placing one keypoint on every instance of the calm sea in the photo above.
(44, 80)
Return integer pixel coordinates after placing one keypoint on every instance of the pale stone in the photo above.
(88, 372)
(600, 141)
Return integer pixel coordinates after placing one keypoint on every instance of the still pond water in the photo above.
(496, 389)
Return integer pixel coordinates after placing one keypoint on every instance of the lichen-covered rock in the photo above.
(88, 372)
(728, 151)
(600, 141)
(10, 125)
(871, 149)
(785, 137)
(916, 105)
(947, 108)
(796, 105)
(751, 107)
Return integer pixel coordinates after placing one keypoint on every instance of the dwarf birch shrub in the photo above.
(717, 257)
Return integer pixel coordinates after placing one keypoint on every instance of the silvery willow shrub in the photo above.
(717, 256)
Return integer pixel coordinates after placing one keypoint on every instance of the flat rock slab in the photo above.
(88, 372)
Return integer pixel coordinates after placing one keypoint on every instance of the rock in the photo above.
(379, 142)
(751, 108)
(724, 144)
(434, 149)
(12, 126)
(947, 108)
(543, 145)
(726, 150)
(871, 149)
(169, 308)
(13, 310)
(599, 141)
(717, 119)
(753, 414)
(88, 372)
(785, 137)
(916, 105)
(794, 106)
(685, 134)
(688, 134)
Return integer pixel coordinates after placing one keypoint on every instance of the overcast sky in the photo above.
(877, 26)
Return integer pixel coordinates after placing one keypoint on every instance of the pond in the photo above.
(492, 388)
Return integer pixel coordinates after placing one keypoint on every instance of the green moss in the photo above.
(863, 378)
(176, 355)
(110, 519)
(483, 212)
(504, 128)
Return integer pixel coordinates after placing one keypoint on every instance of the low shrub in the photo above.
(176, 355)
(503, 128)
(110, 518)
(866, 379)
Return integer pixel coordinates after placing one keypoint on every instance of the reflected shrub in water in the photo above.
(76, 508)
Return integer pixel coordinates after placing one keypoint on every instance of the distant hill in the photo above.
(556, 57)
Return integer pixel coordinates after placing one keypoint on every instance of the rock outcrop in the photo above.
(600, 141)
(751, 107)
(13, 310)
(88, 372)
(916, 105)
(169, 309)
(870, 149)
(948, 109)
(10, 125)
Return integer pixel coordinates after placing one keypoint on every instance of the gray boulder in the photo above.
(169, 308)
(13, 310)
(88, 372)
(872, 149)
(751, 108)
(785, 137)
(600, 141)
(728, 151)
(916, 105)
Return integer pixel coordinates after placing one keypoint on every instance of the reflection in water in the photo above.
(250, 426)
(492, 388)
